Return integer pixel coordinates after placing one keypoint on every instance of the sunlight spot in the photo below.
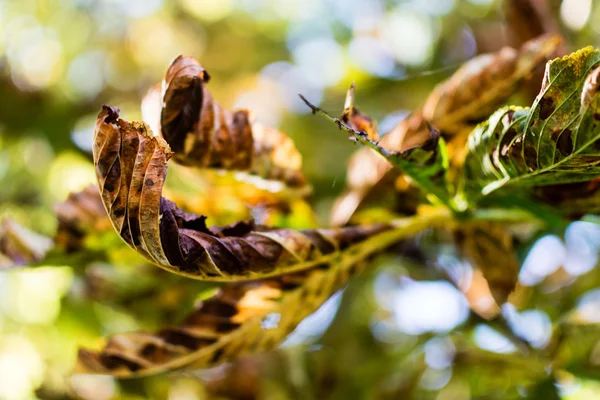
(33, 296)
(69, 172)
(588, 306)
(545, 257)
(401, 25)
(575, 13)
(531, 325)
(34, 53)
(491, 340)
(315, 324)
(435, 379)
(439, 353)
(421, 307)
(583, 246)
(86, 73)
(21, 368)
(321, 61)
(83, 133)
(373, 55)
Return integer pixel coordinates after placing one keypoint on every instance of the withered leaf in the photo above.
(203, 134)
(131, 166)
(80, 214)
(242, 318)
(572, 200)
(477, 88)
(489, 248)
(357, 120)
(19, 246)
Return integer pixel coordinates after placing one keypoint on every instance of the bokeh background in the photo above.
(61, 59)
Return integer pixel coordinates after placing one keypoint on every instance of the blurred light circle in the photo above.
(391, 120)
(421, 307)
(435, 379)
(372, 55)
(83, 133)
(291, 81)
(321, 61)
(575, 13)
(265, 106)
(583, 246)
(315, 324)
(588, 306)
(21, 368)
(410, 36)
(439, 353)
(86, 74)
(491, 340)
(68, 173)
(545, 257)
(34, 53)
(532, 325)
(33, 296)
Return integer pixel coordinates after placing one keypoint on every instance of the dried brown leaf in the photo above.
(572, 200)
(355, 119)
(489, 248)
(241, 318)
(478, 87)
(131, 166)
(20, 246)
(203, 134)
(80, 214)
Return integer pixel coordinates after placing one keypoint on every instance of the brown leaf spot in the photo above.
(531, 157)
(564, 143)
(547, 107)
(507, 140)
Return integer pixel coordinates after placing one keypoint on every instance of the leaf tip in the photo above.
(110, 114)
(349, 103)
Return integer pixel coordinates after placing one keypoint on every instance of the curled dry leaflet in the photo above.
(458, 168)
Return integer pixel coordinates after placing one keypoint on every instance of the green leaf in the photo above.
(426, 162)
(554, 142)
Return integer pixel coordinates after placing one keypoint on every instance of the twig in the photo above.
(360, 136)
